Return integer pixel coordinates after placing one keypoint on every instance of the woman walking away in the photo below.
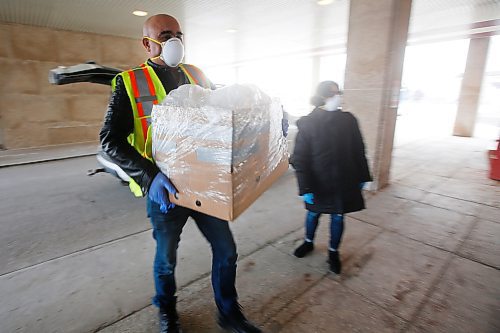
(331, 168)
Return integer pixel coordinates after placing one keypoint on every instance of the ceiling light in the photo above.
(139, 13)
(231, 31)
(324, 2)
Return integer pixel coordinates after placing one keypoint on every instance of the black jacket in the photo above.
(119, 123)
(329, 160)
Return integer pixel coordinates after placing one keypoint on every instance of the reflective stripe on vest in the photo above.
(195, 75)
(145, 89)
(144, 96)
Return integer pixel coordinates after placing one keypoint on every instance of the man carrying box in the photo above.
(126, 138)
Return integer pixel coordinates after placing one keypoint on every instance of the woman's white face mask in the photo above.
(172, 51)
(333, 103)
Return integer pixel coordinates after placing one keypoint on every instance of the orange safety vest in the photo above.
(145, 90)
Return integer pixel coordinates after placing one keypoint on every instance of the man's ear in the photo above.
(145, 43)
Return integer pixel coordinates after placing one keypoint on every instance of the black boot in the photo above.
(334, 261)
(236, 322)
(169, 320)
(303, 249)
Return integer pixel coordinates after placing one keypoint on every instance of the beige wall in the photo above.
(35, 113)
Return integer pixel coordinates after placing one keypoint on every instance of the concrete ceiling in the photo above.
(246, 29)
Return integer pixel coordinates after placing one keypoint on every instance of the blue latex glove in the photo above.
(308, 198)
(284, 123)
(158, 192)
(362, 185)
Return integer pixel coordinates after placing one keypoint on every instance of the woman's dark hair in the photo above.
(325, 89)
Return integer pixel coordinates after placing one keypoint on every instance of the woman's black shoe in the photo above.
(334, 261)
(304, 249)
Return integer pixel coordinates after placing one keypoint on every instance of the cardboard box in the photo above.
(220, 158)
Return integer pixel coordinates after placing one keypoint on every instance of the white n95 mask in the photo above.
(332, 103)
(172, 51)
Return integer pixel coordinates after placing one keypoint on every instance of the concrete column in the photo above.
(315, 73)
(470, 91)
(376, 44)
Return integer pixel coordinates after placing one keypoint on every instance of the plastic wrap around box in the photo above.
(221, 148)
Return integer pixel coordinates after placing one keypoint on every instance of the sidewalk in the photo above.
(424, 257)
(12, 157)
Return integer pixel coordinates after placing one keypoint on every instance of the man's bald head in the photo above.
(159, 27)
(159, 21)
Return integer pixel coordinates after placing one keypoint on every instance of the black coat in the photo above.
(329, 160)
(119, 124)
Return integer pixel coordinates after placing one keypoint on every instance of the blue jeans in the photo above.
(336, 228)
(167, 229)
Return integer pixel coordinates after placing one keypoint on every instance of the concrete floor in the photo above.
(424, 257)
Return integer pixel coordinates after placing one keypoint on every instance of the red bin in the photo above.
(494, 157)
